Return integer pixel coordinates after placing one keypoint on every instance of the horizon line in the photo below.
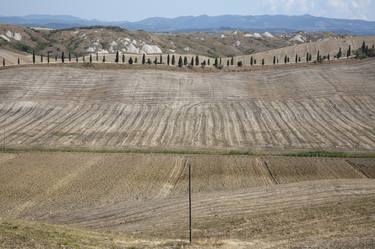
(171, 18)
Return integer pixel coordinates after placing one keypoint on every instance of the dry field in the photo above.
(327, 46)
(238, 201)
(324, 107)
(125, 200)
(11, 58)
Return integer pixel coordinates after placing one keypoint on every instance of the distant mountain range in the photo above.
(275, 23)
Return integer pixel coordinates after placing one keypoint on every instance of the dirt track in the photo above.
(248, 202)
(329, 107)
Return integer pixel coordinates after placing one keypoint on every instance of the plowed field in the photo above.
(328, 107)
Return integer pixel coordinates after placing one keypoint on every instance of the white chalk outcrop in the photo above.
(298, 38)
(268, 35)
(151, 49)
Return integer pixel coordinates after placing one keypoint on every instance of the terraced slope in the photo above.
(238, 201)
(328, 107)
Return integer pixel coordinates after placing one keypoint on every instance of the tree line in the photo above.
(182, 61)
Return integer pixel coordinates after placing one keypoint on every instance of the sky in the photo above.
(135, 10)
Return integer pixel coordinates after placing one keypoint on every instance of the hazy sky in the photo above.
(133, 10)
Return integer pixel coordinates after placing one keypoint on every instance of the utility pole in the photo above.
(4, 139)
(190, 230)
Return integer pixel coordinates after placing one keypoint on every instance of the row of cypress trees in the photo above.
(364, 51)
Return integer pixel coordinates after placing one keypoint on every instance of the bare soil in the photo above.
(326, 107)
(238, 201)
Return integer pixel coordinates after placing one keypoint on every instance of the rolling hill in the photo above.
(262, 23)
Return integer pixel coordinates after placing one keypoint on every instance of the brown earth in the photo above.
(238, 201)
(119, 200)
(326, 107)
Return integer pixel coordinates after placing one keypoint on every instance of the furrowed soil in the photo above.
(140, 201)
(326, 107)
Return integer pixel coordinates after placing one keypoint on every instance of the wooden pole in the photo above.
(190, 223)
(4, 140)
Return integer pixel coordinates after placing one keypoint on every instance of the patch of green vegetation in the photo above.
(188, 151)
(131, 150)
(23, 47)
(365, 51)
(16, 234)
(3, 42)
(41, 46)
(331, 154)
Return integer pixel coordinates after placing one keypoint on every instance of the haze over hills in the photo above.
(262, 23)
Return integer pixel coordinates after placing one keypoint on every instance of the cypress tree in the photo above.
(136, 60)
(349, 53)
(363, 47)
(117, 59)
(103, 59)
(262, 62)
(228, 63)
(277, 60)
(18, 61)
(62, 57)
(185, 61)
(299, 58)
(123, 58)
(84, 59)
(220, 61)
(130, 61)
(310, 57)
(197, 60)
(90, 58)
(328, 57)
(161, 59)
(296, 58)
(339, 54)
(168, 59)
(255, 61)
(156, 61)
(232, 61)
(307, 57)
(70, 57)
(251, 61)
(48, 57)
(274, 60)
(285, 59)
(41, 58)
(318, 56)
(33, 57)
(208, 62)
(173, 60)
(180, 63)
(55, 58)
(192, 61)
(76, 58)
(216, 63)
(143, 59)
(3, 62)
(149, 61)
